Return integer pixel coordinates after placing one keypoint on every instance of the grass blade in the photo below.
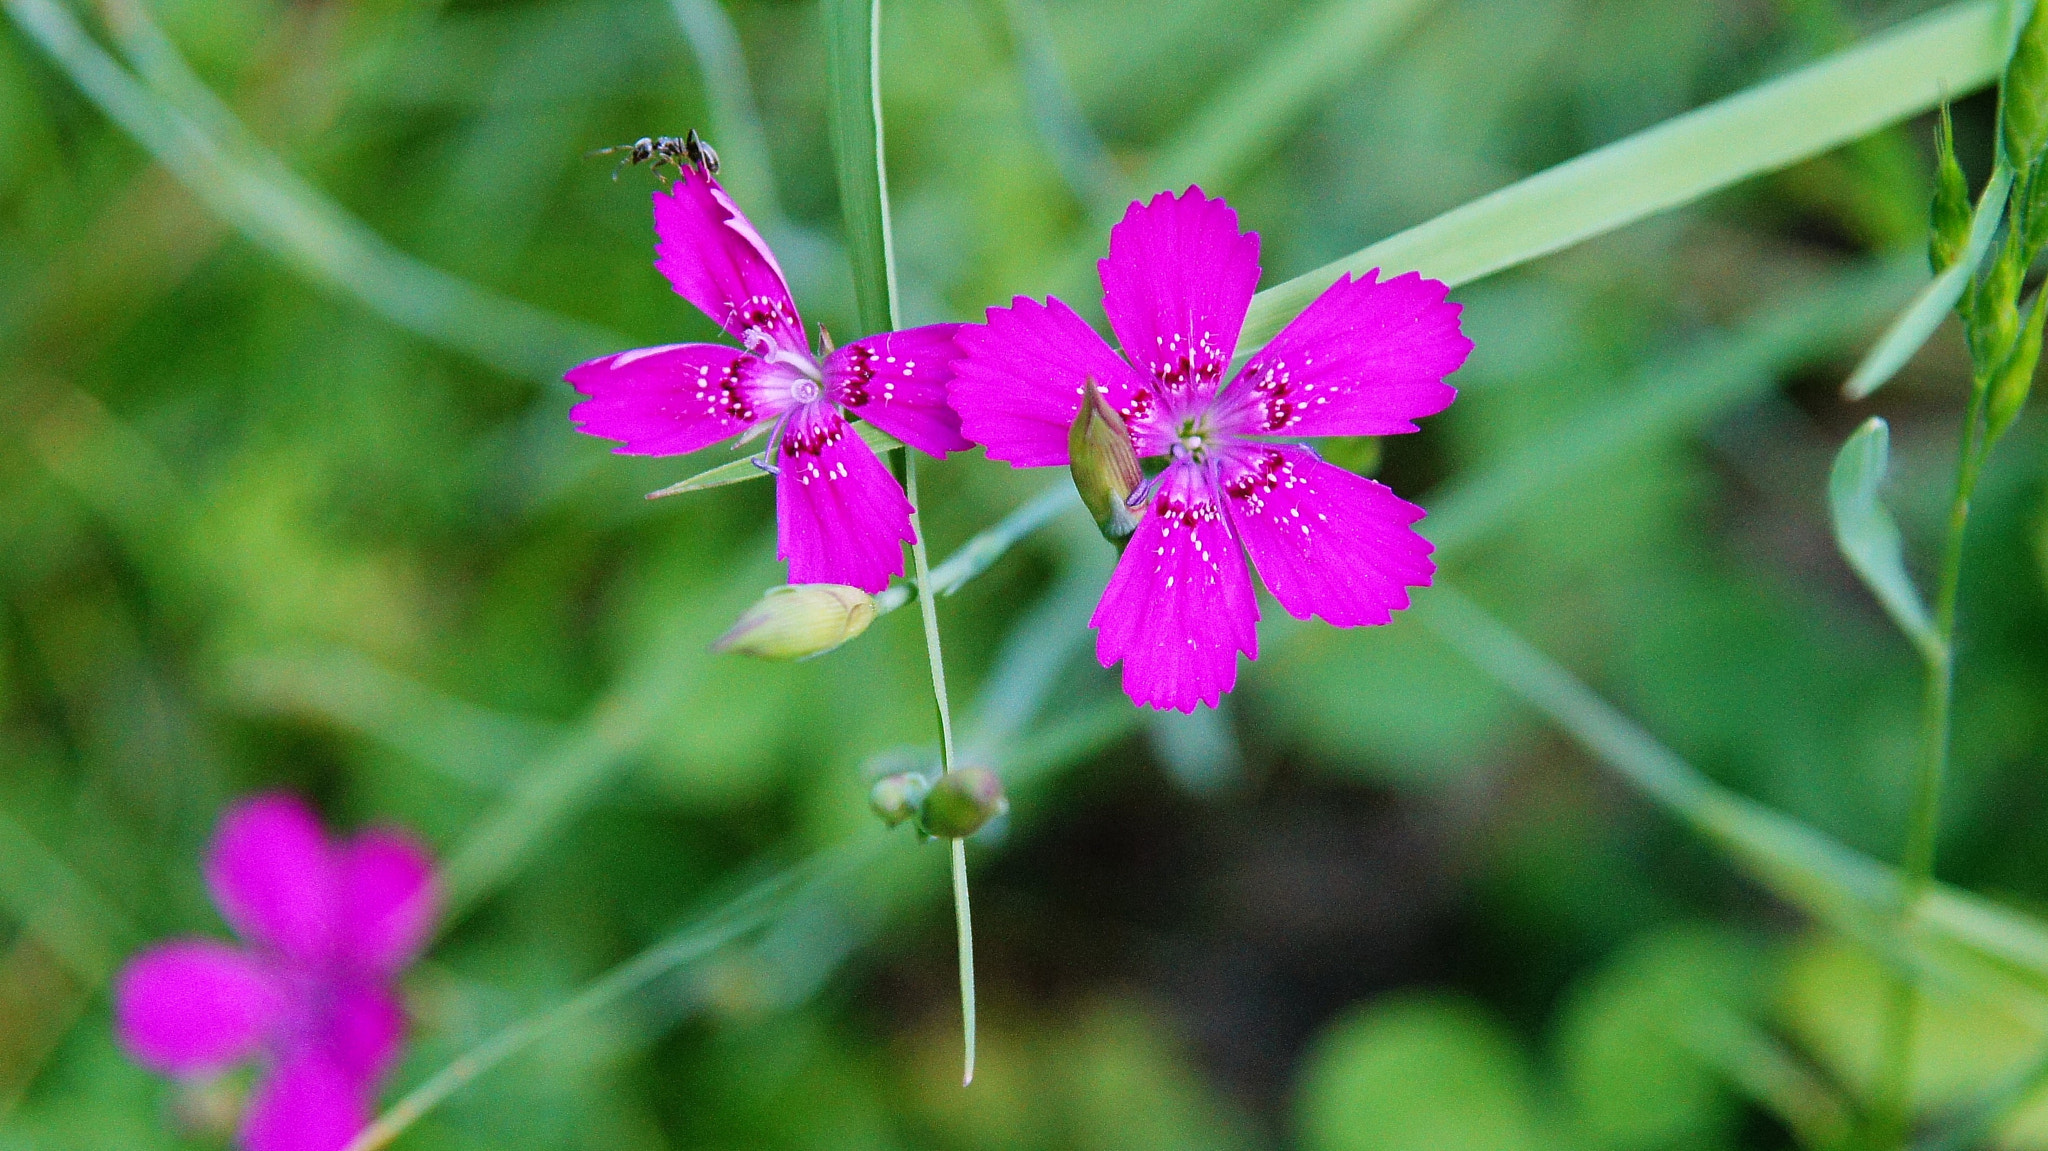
(754, 908)
(1251, 115)
(1081, 158)
(1850, 94)
(1836, 884)
(1917, 323)
(741, 470)
(1869, 537)
(742, 141)
(853, 48)
(853, 110)
(1681, 391)
(284, 215)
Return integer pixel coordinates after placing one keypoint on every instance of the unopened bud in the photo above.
(1951, 210)
(798, 621)
(1997, 307)
(1105, 467)
(962, 802)
(2015, 377)
(896, 797)
(2023, 96)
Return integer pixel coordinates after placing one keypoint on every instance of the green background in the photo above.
(303, 515)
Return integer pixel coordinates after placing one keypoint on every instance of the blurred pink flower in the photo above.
(329, 926)
(1367, 358)
(841, 516)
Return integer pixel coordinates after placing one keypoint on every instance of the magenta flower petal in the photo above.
(668, 400)
(1176, 285)
(195, 1006)
(1326, 541)
(711, 253)
(271, 877)
(897, 382)
(1367, 358)
(841, 517)
(363, 1030)
(1179, 607)
(386, 900)
(307, 1103)
(1020, 384)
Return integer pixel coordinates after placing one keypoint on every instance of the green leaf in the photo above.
(1827, 104)
(741, 470)
(1419, 1075)
(853, 113)
(1629, 1038)
(1868, 536)
(1913, 327)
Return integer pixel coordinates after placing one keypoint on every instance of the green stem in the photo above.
(853, 36)
(928, 608)
(1891, 1116)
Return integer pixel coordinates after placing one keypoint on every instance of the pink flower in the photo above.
(841, 516)
(329, 926)
(1368, 357)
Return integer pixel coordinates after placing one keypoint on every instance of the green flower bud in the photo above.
(2023, 96)
(1996, 313)
(962, 802)
(798, 621)
(2015, 377)
(1105, 467)
(1951, 211)
(2035, 207)
(896, 797)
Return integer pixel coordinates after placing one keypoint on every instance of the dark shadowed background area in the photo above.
(289, 499)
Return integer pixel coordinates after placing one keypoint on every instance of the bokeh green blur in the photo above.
(301, 513)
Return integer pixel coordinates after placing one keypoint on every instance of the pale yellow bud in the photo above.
(798, 621)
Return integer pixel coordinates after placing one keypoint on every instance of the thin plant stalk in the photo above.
(1892, 1113)
(854, 77)
(928, 610)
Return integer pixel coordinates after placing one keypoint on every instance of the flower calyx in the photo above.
(1104, 465)
(962, 802)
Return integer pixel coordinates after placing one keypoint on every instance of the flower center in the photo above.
(1192, 442)
(806, 390)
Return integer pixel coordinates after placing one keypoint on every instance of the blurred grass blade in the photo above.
(284, 215)
(1680, 391)
(760, 905)
(1833, 883)
(1911, 330)
(52, 903)
(566, 779)
(1078, 153)
(742, 142)
(1850, 94)
(1869, 537)
(977, 555)
(853, 113)
(741, 470)
(1253, 112)
(347, 689)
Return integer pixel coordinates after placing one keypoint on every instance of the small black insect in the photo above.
(676, 151)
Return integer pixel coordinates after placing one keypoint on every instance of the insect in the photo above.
(690, 149)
